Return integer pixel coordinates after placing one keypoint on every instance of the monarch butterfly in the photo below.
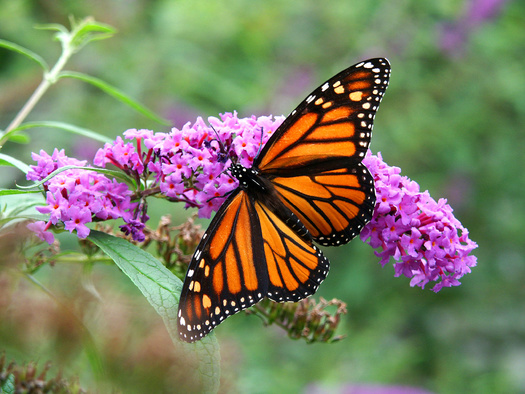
(307, 184)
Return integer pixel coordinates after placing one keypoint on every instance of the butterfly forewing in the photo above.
(334, 122)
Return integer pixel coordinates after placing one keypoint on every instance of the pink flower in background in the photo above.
(455, 35)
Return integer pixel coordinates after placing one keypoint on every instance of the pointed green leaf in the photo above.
(63, 126)
(10, 192)
(116, 93)
(6, 160)
(90, 30)
(52, 26)
(26, 52)
(19, 138)
(162, 290)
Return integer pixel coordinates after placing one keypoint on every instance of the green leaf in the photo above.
(6, 160)
(9, 385)
(10, 192)
(19, 138)
(82, 32)
(112, 173)
(4, 222)
(162, 289)
(52, 26)
(26, 52)
(16, 207)
(90, 30)
(116, 93)
(64, 126)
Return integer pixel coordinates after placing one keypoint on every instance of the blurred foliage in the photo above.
(26, 379)
(452, 119)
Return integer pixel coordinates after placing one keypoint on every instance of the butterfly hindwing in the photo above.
(333, 205)
(247, 253)
(295, 266)
(333, 123)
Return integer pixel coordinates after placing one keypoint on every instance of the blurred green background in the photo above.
(452, 119)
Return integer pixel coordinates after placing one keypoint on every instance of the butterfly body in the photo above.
(307, 184)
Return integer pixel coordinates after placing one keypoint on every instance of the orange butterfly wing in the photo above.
(246, 254)
(295, 266)
(307, 183)
(333, 205)
(332, 126)
(314, 158)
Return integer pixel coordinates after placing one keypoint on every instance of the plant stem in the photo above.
(49, 79)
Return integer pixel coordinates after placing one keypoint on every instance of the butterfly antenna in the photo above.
(223, 156)
(260, 143)
(223, 152)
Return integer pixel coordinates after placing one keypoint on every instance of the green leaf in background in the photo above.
(116, 93)
(90, 30)
(19, 138)
(162, 289)
(111, 173)
(26, 52)
(9, 386)
(9, 192)
(63, 126)
(6, 160)
(16, 207)
(82, 32)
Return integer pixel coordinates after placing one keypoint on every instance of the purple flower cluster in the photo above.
(190, 165)
(425, 239)
(187, 164)
(76, 196)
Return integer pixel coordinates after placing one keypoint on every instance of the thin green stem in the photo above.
(49, 79)
(29, 105)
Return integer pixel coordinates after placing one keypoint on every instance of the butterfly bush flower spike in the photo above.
(426, 241)
(193, 161)
(76, 196)
(189, 164)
